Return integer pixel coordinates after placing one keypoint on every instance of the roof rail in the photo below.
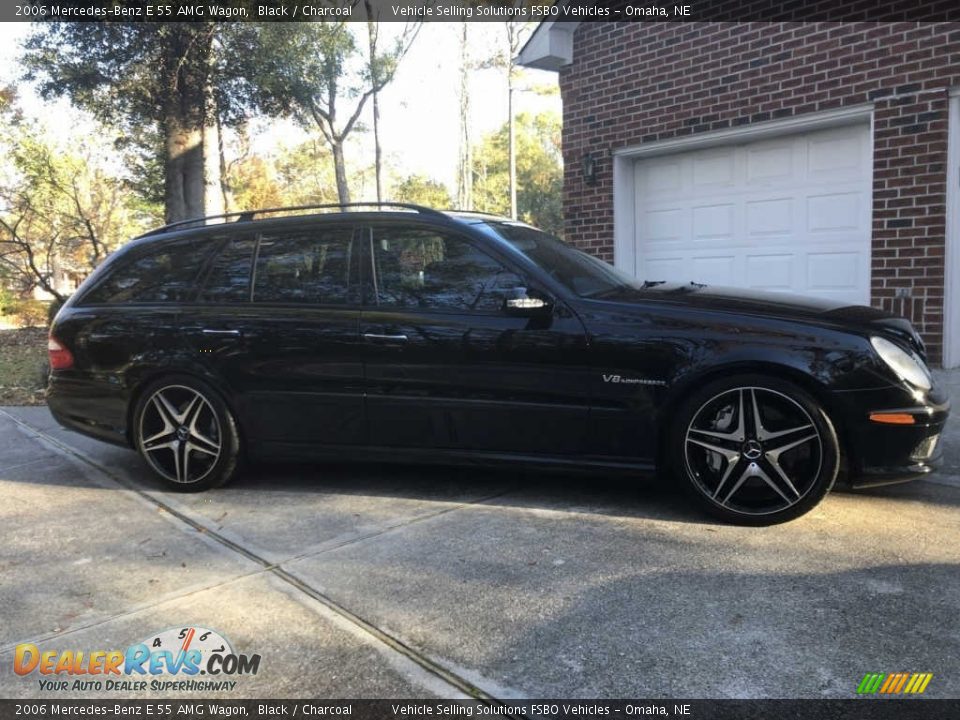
(250, 215)
(474, 212)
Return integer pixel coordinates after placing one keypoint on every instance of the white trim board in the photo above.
(751, 132)
(951, 274)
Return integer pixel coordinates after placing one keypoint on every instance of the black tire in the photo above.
(752, 473)
(186, 434)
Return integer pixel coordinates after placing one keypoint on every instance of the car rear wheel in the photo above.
(754, 450)
(186, 434)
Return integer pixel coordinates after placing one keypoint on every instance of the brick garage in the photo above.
(628, 87)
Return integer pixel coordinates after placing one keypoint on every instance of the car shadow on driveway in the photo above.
(611, 495)
(594, 493)
(946, 495)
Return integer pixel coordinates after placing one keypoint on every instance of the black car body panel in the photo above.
(589, 381)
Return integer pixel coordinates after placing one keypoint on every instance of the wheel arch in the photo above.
(149, 376)
(807, 382)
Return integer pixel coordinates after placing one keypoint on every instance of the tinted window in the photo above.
(309, 266)
(167, 274)
(425, 269)
(229, 278)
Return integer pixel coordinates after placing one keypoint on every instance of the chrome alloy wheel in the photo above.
(753, 450)
(179, 434)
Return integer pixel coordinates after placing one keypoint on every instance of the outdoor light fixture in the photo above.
(589, 164)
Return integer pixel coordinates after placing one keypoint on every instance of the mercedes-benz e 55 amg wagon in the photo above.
(407, 334)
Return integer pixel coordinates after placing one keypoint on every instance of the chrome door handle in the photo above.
(221, 333)
(378, 336)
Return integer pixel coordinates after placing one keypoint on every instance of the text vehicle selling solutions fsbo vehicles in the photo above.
(402, 333)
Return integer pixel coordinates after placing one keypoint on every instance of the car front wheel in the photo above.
(754, 450)
(186, 434)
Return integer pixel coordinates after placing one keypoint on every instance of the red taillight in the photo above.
(60, 357)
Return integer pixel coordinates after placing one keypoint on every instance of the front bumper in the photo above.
(879, 453)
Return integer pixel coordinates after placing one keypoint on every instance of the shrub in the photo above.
(27, 313)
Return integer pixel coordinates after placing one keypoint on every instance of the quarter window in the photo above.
(167, 274)
(418, 268)
(306, 267)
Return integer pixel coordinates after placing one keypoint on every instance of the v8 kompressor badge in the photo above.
(169, 660)
(623, 380)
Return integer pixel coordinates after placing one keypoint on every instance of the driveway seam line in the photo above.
(17, 466)
(459, 683)
(384, 531)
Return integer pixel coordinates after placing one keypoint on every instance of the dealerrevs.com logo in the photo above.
(174, 659)
(894, 683)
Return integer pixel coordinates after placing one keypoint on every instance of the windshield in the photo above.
(582, 274)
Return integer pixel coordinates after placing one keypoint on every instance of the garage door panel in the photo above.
(839, 211)
(713, 169)
(665, 267)
(771, 272)
(837, 154)
(770, 217)
(790, 213)
(714, 222)
(770, 163)
(661, 177)
(833, 271)
(714, 270)
(664, 227)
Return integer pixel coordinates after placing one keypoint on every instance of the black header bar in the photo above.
(871, 708)
(479, 10)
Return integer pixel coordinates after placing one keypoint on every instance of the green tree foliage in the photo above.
(166, 84)
(63, 208)
(421, 190)
(316, 73)
(539, 172)
(298, 175)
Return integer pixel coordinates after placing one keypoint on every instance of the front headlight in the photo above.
(906, 365)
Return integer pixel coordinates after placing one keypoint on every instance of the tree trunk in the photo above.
(375, 82)
(212, 190)
(377, 150)
(225, 190)
(513, 150)
(183, 186)
(340, 167)
(465, 178)
(185, 77)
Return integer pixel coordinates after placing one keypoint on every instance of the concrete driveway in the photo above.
(373, 581)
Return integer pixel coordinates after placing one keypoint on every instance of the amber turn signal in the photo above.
(893, 418)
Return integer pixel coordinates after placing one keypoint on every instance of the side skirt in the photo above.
(434, 456)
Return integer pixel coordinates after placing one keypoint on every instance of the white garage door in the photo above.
(790, 214)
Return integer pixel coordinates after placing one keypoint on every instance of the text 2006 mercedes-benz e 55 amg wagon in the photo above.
(408, 334)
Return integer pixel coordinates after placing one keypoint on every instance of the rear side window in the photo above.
(166, 274)
(310, 267)
(229, 278)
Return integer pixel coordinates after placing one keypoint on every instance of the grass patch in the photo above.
(23, 366)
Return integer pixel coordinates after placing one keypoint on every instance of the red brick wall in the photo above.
(631, 83)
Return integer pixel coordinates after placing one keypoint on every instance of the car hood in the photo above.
(772, 304)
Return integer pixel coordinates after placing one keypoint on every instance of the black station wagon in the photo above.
(401, 333)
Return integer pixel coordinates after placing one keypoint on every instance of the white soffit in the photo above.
(550, 46)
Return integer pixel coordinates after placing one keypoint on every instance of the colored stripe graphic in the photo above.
(894, 683)
(889, 683)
